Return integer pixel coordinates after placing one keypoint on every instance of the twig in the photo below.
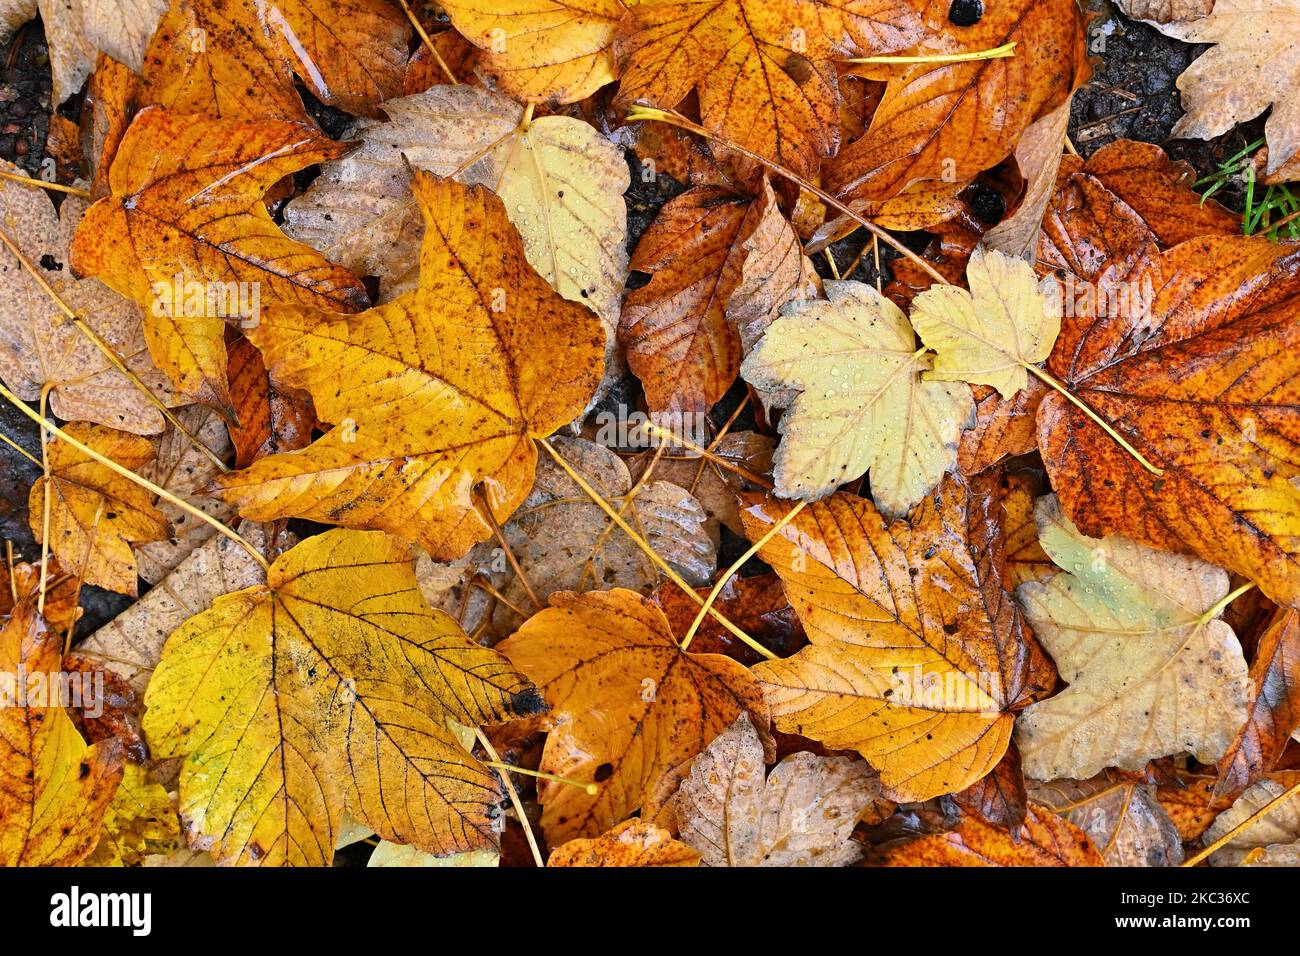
(486, 512)
(514, 798)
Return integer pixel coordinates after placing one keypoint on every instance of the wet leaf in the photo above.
(631, 843)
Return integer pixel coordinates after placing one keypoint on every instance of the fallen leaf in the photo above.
(1280, 826)
(185, 471)
(632, 709)
(96, 515)
(1273, 710)
(919, 658)
(862, 405)
(1045, 840)
(54, 790)
(1038, 156)
(1165, 11)
(209, 56)
(389, 854)
(416, 426)
(949, 121)
(542, 51)
(186, 214)
(631, 843)
(1151, 672)
(140, 822)
(989, 335)
(675, 329)
(1190, 803)
(330, 685)
(1121, 817)
(564, 542)
(1024, 558)
(801, 816)
(757, 605)
(762, 69)
(1003, 427)
(131, 643)
(22, 581)
(1253, 64)
(1199, 382)
(1000, 797)
(272, 419)
(560, 181)
(41, 348)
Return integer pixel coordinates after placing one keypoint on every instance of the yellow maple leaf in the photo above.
(96, 515)
(441, 389)
(330, 686)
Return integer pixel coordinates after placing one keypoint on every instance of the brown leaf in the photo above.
(757, 605)
(272, 418)
(999, 798)
(1120, 816)
(631, 843)
(1273, 710)
(1045, 839)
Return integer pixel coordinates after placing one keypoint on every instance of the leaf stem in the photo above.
(673, 118)
(107, 351)
(995, 53)
(55, 187)
(514, 797)
(1048, 380)
(1222, 605)
(641, 543)
(658, 431)
(718, 585)
(424, 38)
(486, 512)
(588, 788)
(1244, 825)
(46, 498)
(127, 473)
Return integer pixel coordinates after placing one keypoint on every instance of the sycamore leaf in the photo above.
(801, 816)
(131, 643)
(1165, 11)
(96, 515)
(632, 709)
(1196, 374)
(561, 182)
(948, 121)
(988, 335)
(861, 403)
(542, 51)
(333, 684)
(1045, 839)
(1149, 674)
(41, 348)
(186, 472)
(1255, 63)
(236, 58)
(919, 658)
(54, 790)
(999, 798)
(1279, 827)
(564, 542)
(632, 843)
(1273, 713)
(271, 418)
(674, 328)
(418, 425)
(186, 213)
(140, 821)
(1120, 815)
(762, 68)
(1025, 559)
(1003, 427)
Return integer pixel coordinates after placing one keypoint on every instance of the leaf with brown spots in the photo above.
(631, 843)
(1120, 815)
(186, 206)
(919, 658)
(1044, 839)
(417, 426)
(632, 709)
(54, 790)
(1273, 711)
(1203, 383)
(96, 515)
